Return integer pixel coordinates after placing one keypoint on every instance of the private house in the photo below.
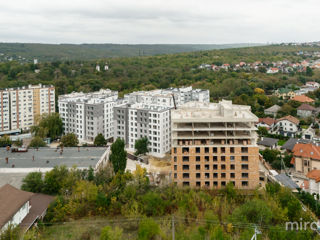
(313, 84)
(21, 208)
(312, 185)
(306, 157)
(266, 142)
(308, 134)
(287, 126)
(305, 110)
(285, 93)
(302, 99)
(273, 110)
(272, 70)
(267, 122)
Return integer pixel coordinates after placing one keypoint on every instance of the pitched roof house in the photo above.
(302, 98)
(266, 122)
(305, 110)
(306, 157)
(20, 207)
(286, 126)
(273, 110)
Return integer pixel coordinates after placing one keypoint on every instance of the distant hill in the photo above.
(26, 52)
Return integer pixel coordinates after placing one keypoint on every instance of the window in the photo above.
(198, 175)
(232, 158)
(244, 183)
(244, 166)
(223, 175)
(185, 150)
(175, 175)
(206, 158)
(207, 184)
(198, 184)
(197, 150)
(223, 150)
(206, 150)
(215, 158)
(174, 150)
(175, 167)
(185, 159)
(185, 175)
(206, 167)
(214, 150)
(244, 158)
(185, 167)
(223, 183)
(245, 175)
(186, 184)
(232, 167)
(223, 158)
(175, 159)
(223, 166)
(215, 166)
(232, 175)
(232, 150)
(215, 175)
(207, 175)
(198, 167)
(198, 158)
(244, 149)
(215, 183)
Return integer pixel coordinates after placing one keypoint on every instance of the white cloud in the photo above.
(155, 21)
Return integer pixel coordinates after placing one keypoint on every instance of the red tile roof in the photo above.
(307, 151)
(314, 174)
(306, 107)
(290, 119)
(302, 98)
(268, 120)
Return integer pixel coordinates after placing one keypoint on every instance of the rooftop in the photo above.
(268, 142)
(303, 99)
(290, 119)
(268, 120)
(306, 151)
(94, 97)
(306, 107)
(12, 199)
(50, 157)
(214, 112)
(314, 174)
(274, 108)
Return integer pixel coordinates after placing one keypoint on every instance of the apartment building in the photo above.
(138, 120)
(88, 114)
(147, 114)
(21, 107)
(213, 144)
(164, 97)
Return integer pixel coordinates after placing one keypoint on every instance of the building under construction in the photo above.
(213, 144)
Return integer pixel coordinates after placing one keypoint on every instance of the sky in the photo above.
(159, 21)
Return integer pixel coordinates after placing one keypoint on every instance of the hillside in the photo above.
(26, 52)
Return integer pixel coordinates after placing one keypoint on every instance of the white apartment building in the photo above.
(21, 107)
(164, 97)
(147, 114)
(135, 121)
(88, 114)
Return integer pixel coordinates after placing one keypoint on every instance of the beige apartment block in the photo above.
(214, 144)
(21, 107)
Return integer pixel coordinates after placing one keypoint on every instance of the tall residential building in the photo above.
(213, 144)
(88, 114)
(135, 121)
(147, 114)
(21, 107)
(164, 97)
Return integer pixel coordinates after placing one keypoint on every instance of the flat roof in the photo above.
(88, 156)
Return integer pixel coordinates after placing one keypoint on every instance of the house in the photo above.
(267, 122)
(305, 110)
(312, 185)
(272, 110)
(313, 84)
(272, 70)
(287, 126)
(21, 208)
(302, 99)
(266, 142)
(308, 134)
(285, 93)
(306, 157)
(289, 145)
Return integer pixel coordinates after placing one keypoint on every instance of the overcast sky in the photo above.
(159, 21)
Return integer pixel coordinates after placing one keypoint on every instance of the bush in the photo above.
(99, 140)
(148, 229)
(37, 142)
(5, 141)
(107, 233)
(33, 182)
(69, 140)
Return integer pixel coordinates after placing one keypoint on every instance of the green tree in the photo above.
(50, 125)
(309, 71)
(99, 140)
(108, 233)
(5, 141)
(148, 229)
(37, 142)
(33, 182)
(54, 180)
(141, 146)
(118, 156)
(69, 140)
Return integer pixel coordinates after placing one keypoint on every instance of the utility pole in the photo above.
(256, 231)
(173, 229)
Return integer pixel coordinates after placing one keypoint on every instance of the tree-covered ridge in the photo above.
(26, 52)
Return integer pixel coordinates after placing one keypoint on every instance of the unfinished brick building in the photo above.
(213, 144)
